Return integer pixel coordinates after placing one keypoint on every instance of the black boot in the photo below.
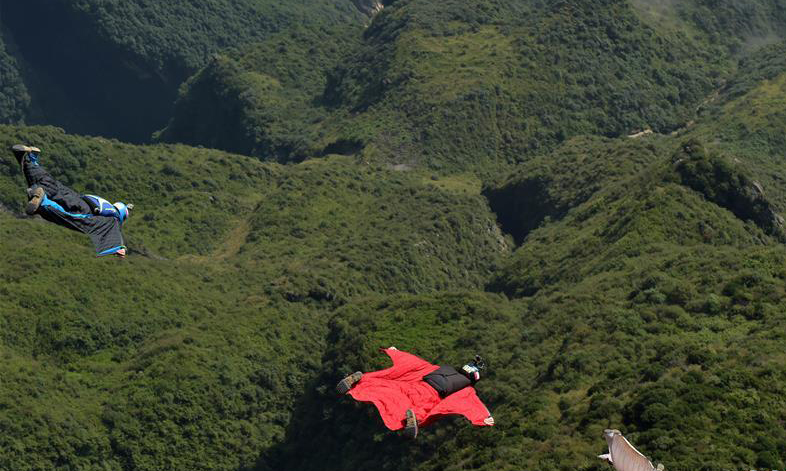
(346, 384)
(20, 151)
(411, 429)
(36, 196)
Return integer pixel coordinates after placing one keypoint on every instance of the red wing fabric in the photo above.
(401, 387)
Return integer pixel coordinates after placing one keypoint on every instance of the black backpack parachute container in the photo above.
(446, 380)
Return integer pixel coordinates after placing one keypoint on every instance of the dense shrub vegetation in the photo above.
(14, 99)
(114, 67)
(204, 331)
(739, 26)
(261, 102)
(453, 179)
(472, 84)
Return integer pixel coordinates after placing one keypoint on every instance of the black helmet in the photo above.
(473, 368)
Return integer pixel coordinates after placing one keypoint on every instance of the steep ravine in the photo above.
(96, 90)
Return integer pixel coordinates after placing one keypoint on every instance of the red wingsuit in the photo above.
(401, 387)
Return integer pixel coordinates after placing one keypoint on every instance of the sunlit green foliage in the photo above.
(113, 68)
(644, 293)
(262, 102)
(739, 26)
(745, 120)
(546, 187)
(14, 99)
(200, 343)
(475, 84)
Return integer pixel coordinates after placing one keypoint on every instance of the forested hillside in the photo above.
(741, 26)
(452, 178)
(14, 99)
(261, 101)
(114, 67)
(471, 84)
(217, 270)
(476, 83)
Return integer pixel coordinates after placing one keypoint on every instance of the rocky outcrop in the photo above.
(369, 7)
(723, 182)
(643, 133)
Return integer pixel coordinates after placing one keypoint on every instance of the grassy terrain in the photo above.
(634, 303)
(739, 26)
(114, 68)
(14, 97)
(258, 102)
(453, 180)
(195, 345)
(475, 85)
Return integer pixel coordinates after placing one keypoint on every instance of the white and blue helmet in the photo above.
(122, 211)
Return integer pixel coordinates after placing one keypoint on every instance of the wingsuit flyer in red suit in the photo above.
(414, 393)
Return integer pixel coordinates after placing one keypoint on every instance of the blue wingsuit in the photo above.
(63, 206)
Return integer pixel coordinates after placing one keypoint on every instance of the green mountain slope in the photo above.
(482, 83)
(548, 186)
(454, 179)
(730, 25)
(745, 119)
(643, 298)
(747, 113)
(262, 101)
(196, 346)
(144, 365)
(113, 68)
(14, 98)
(498, 83)
(638, 309)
